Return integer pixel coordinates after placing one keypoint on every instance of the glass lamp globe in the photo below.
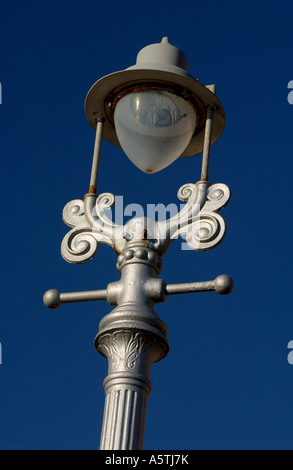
(154, 127)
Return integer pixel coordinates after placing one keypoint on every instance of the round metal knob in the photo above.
(52, 298)
(224, 284)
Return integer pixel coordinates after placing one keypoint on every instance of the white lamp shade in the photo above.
(154, 128)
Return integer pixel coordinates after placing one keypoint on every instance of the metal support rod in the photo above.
(96, 156)
(83, 296)
(222, 285)
(207, 139)
(53, 298)
(189, 288)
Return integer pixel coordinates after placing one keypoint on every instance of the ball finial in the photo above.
(224, 284)
(52, 298)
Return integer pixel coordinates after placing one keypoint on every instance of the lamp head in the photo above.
(155, 110)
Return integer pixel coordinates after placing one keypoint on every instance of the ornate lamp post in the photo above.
(156, 111)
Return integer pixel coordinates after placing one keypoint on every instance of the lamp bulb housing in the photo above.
(154, 127)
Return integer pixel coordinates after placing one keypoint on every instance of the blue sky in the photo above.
(226, 383)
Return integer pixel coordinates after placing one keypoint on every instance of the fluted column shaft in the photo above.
(125, 413)
(130, 354)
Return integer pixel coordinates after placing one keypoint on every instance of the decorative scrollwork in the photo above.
(204, 229)
(217, 198)
(79, 245)
(73, 213)
(185, 191)
(198, 221)
(218, 195)
(206, 232)
(107, 200)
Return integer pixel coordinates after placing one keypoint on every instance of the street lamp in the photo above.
(157, 112)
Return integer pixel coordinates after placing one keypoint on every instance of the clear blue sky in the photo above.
(226, 383)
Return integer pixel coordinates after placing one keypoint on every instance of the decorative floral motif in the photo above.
(122, 348)
(128, 350)
(132, 352)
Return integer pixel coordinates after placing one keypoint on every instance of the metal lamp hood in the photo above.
(158, 65)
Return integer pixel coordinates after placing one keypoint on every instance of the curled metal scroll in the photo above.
(206, 232)
(205, 229)
(81, 243)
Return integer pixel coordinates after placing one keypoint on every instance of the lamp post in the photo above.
(156, 111)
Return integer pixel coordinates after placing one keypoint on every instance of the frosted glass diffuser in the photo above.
(154, 128)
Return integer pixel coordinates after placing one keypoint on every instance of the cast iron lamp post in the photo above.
(156, 111)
